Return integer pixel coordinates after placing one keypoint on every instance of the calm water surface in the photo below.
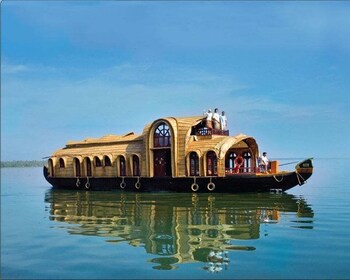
(48, 233)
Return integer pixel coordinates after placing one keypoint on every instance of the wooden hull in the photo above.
(237, 183)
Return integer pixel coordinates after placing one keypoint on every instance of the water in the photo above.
(59, 234)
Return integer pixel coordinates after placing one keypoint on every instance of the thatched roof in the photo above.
(221, 144)
(110, 138)
(183, 123)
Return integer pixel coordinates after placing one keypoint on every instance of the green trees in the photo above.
(22, 163)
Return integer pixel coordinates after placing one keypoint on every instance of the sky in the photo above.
(76, 69)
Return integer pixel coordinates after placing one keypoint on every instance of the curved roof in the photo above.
(181, 127)
(221, 144)
(185, 123)
(131, 136)
(234, 140)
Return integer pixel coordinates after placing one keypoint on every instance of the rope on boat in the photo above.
(77, 183)
(279, 181)
(122, 184)
(288, 163)
(194, 186)
(138, 184)
(211, 185)
(298, 177)
(87, 184)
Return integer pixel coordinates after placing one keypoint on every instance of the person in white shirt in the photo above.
(263, 162)
(208, 119)
(223, 121)
(216, 119)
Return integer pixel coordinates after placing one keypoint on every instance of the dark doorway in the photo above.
(88, 167)
(162, 151)
(162, 162)
(77, 167)
(135, 166)
(194, 164)
(122, 166)
(212, 164)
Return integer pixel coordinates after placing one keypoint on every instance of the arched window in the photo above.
(230, 162)
(62, 165)
(162, 136)
(122, 166)
(97, 162)
(212, 164)
(107, 161)
(247, 161)
(194, 164)
(135, 165)
(77, 167)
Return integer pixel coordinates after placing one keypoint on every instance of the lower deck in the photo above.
(242, 182)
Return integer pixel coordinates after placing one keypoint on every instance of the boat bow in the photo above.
(304, 170)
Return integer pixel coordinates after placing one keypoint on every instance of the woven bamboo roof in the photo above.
(135, 142)
(220, 144)
(185, 123)
(110, 138)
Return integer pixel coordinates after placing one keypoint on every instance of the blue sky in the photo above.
(75, 69)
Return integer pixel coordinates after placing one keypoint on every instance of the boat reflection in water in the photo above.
(178, 228)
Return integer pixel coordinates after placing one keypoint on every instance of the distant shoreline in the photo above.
(22, 163)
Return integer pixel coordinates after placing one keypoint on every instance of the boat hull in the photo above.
(237, 183)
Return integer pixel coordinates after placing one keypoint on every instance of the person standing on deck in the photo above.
(263, 162)
(208, 119)
(216, 119)
(223, 121)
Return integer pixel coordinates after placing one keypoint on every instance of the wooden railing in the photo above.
(233, 171)
(211, 131)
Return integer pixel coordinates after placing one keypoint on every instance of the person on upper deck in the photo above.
(208, 119)
(263, 162)
(223, 121)
(216, 119)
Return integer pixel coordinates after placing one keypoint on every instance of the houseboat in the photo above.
(176, 154)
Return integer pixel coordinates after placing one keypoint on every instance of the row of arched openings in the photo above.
(136, 170)
(212, 163)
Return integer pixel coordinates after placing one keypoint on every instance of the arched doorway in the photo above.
(62, 164)
(194, 164)
(88, 167)
(162, 150)
(77, 167)
(135, 165)
(212, 164)
(107, 161)
(122, 166)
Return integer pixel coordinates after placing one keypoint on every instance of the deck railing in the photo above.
(211, 131)
(233, 171)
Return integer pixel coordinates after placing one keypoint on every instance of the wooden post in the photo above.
(274, 166)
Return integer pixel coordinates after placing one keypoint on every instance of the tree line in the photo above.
(23, 163)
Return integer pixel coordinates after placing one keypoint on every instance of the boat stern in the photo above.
(45, 172)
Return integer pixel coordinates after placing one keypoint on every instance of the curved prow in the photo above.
(305, 165)
(304, 170)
